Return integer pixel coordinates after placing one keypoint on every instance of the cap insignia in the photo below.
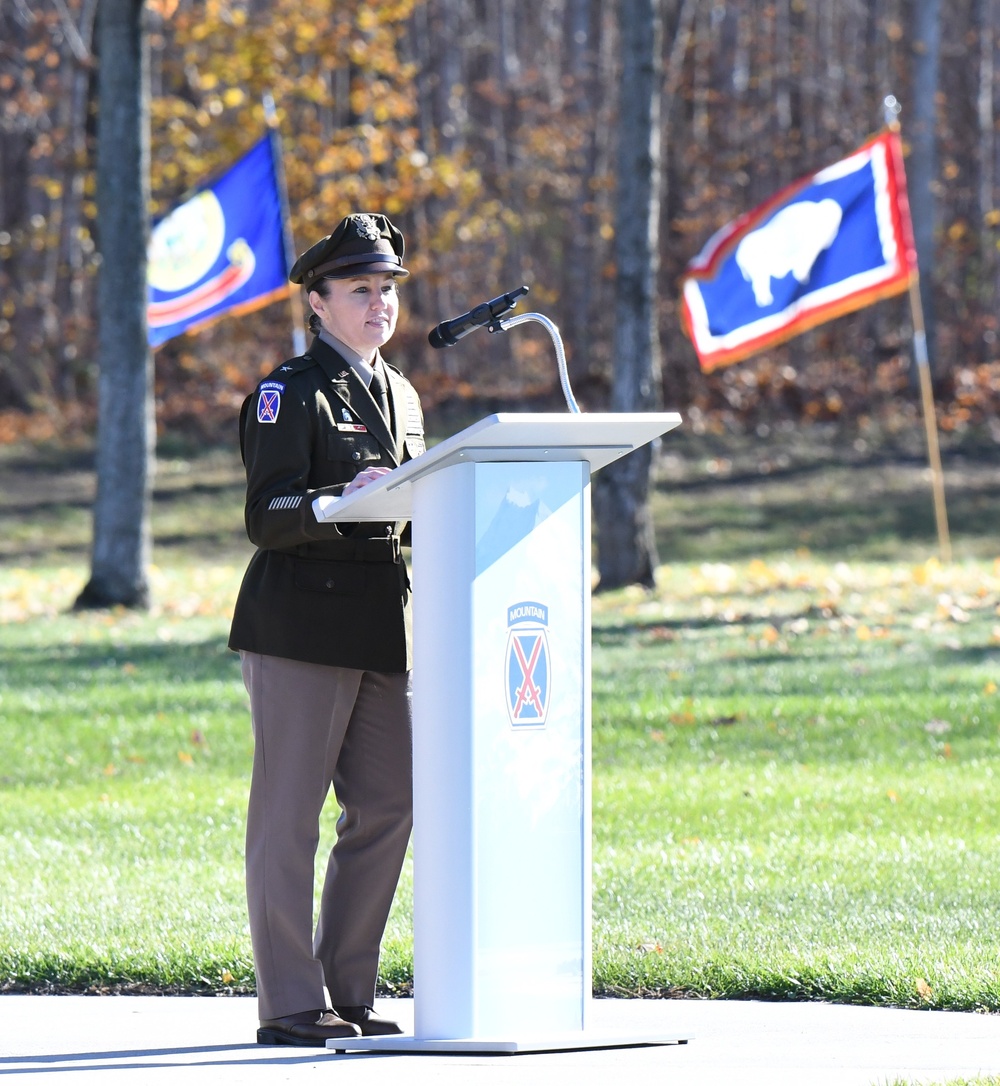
(367, 227)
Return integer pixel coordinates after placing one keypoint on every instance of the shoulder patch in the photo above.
(269, 401)
(270, 390)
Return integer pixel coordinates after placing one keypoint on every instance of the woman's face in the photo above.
(360, 312)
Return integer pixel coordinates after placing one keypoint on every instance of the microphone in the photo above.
(448, 333)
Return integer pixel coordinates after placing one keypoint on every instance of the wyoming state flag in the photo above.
(221, 252)
(828, 244)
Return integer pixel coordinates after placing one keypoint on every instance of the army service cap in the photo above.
(362, 244)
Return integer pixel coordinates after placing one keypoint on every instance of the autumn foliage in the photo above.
(488, 133)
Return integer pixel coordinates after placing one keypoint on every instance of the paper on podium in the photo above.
(599, 439)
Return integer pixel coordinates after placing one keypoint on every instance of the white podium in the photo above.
(501, 732)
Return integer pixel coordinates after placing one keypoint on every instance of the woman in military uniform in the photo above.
(322, 625)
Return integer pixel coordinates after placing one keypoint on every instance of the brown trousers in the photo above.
(315, 726)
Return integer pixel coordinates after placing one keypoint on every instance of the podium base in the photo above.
(555, 1042)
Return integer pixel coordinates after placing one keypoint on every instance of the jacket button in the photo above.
(329, 584)
(355, 455)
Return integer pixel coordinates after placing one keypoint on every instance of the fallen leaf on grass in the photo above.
(948, 610)
(925, 574)
(924, 990)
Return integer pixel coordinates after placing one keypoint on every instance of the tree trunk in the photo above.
(986, 159)
(71, 301)
(626, 548)
(581, 65)
(922, 167)
(126, 431)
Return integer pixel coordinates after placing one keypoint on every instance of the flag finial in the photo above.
(892, 108)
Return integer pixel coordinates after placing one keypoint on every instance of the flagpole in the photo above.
(294, 294)
(930, 417)
(892, 109)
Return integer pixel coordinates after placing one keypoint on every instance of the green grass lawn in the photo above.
(796, 748)
(804, 757)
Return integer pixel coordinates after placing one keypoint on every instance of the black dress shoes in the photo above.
(307, 1029)
(369, 1021)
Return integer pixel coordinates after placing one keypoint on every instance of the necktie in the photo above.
(377, 389)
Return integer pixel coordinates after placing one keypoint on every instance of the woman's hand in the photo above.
(363, 478)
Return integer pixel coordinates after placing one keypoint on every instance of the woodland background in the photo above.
(487, 132)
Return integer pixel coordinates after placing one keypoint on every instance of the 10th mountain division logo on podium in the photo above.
(527, 670)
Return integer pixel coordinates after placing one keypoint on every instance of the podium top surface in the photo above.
(598, 439)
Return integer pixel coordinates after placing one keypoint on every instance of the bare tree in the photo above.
(626, 547)
(923, 164)
(989, 150)
(126, 428)
(582, 31)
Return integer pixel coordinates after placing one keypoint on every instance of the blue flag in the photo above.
(828, 244)
(221, 252)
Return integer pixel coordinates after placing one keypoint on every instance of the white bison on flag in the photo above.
(789, 244)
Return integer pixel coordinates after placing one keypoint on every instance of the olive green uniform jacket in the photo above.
(334, 594)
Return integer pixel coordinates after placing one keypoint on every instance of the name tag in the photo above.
(353, 427)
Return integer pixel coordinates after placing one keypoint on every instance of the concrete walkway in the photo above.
(149, 1040)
